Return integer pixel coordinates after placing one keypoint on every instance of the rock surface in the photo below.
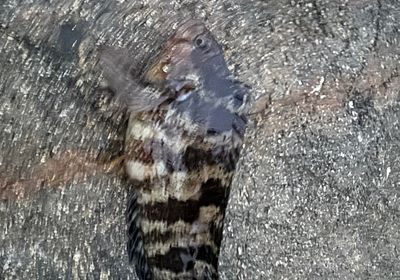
(317, 194)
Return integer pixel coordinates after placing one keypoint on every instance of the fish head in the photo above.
(192, 66)
(186, 56)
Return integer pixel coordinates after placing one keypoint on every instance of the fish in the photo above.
(187, 121)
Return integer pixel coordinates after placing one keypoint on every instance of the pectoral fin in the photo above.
(128, 88)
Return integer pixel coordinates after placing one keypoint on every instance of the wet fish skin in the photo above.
(182, 152)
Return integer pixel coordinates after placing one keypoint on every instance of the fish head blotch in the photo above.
(211, 117)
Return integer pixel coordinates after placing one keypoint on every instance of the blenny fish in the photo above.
(184, 137)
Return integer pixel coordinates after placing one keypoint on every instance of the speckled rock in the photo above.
(317, 194)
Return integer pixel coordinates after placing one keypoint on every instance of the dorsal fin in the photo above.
(136, 252)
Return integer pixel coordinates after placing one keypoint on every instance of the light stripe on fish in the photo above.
(183, 142)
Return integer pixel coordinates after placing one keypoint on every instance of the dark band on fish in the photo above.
(194, 159)
(212, 193)
(177, 210)
(149, 151)
(157, 236)
(171, 237)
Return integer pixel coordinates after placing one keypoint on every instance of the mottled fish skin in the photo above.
(181, 156)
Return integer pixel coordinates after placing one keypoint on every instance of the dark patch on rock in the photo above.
(360, 106)
(70, 36)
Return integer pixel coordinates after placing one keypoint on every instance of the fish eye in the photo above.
(239, 96)
(201, 42)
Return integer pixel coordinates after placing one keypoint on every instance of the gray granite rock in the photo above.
(317, 194)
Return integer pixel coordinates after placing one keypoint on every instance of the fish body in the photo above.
(181, 154)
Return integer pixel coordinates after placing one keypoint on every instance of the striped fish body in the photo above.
(182, 193)
(181, 156)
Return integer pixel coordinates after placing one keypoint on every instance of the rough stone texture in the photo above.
(317, 195)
